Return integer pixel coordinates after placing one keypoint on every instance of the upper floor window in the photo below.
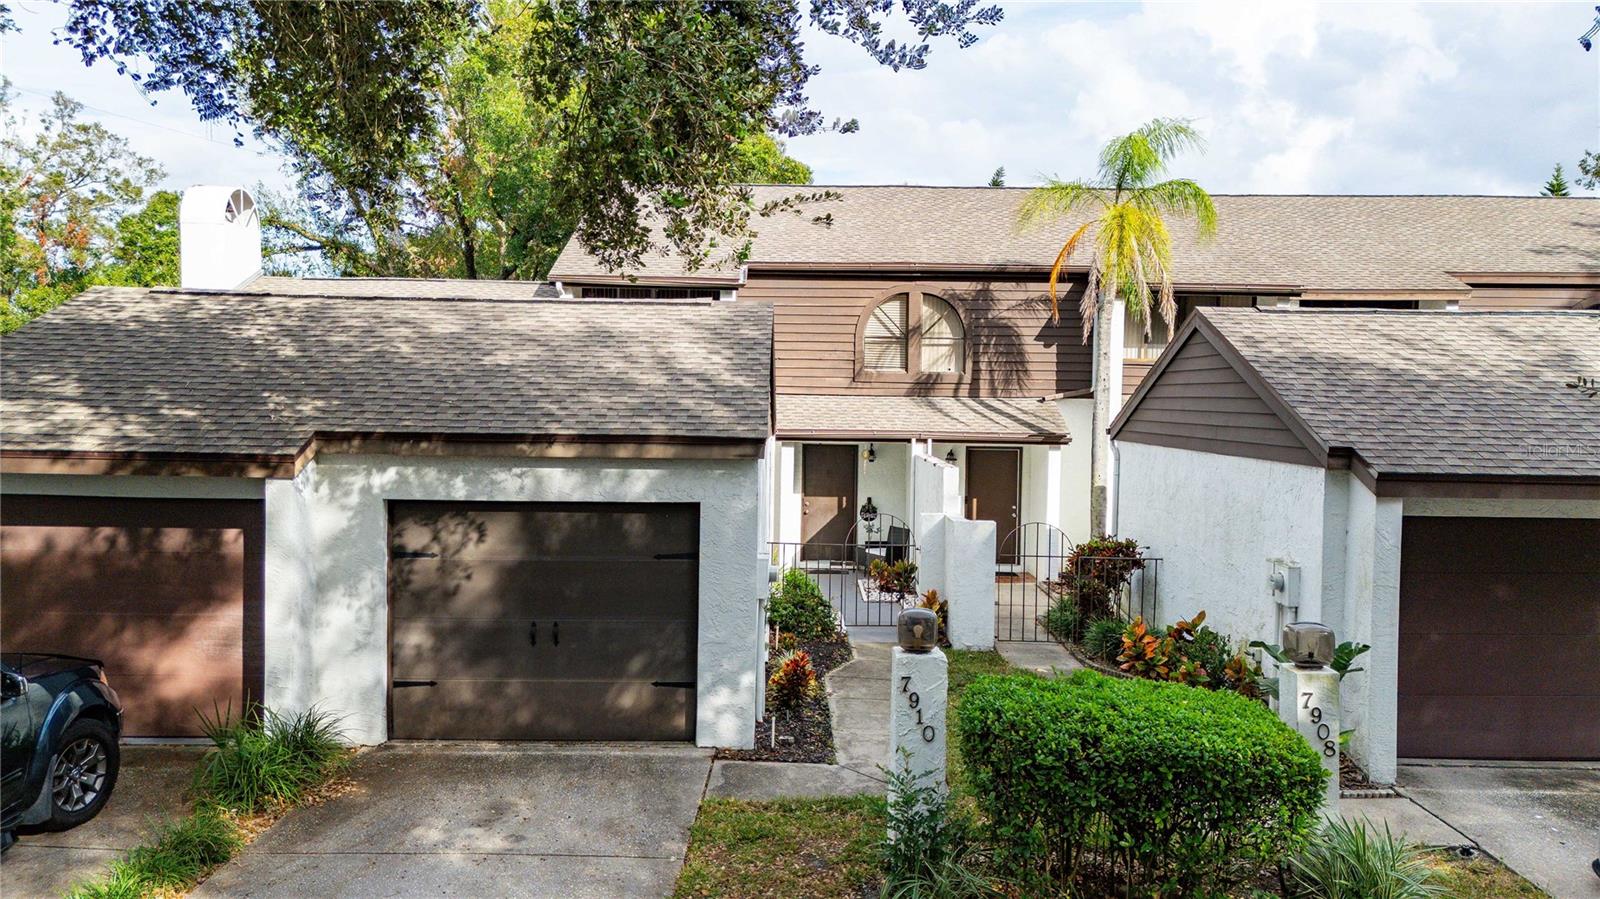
(914, 333)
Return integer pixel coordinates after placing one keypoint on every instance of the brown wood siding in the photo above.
(1531, 297)
(1200, 402)
(1015, 349)
(1499, 619)
(168, 593)
(1133, 372)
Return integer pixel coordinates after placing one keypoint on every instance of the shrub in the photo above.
(180, 854)
(1156, 654)
(794, 681)
(1108, 784)
(1062, 620)
(1103, 638)
(266, 758)
(933, 852)
(798, 607)
(1097, 570)
(1348, 860)
(1210, 649)
(940, 607)
(895, 577)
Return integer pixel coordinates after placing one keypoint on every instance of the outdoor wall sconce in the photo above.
(869, 512)
(872, 452)
(950, 456)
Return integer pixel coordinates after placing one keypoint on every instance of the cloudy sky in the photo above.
(1293, 98)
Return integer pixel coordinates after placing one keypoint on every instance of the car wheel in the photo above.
(82, 774)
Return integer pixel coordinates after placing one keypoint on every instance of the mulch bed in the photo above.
(804, 734)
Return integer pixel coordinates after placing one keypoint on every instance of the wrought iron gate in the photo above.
(840, 570)
(1037, 579)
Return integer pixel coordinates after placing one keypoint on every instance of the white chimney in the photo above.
(219, 238)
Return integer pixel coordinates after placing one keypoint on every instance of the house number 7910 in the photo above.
(914, 701)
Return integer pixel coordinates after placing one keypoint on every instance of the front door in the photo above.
(828, 498)
(994, 482)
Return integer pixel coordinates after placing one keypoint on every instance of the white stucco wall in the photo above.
(346, 624)
(884, 478)
(936, 490)
(1216, 522)
(1079, 415)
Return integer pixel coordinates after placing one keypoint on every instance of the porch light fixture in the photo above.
(872, 452)
(950, 456)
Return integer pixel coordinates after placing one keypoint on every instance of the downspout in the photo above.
(1114, 507)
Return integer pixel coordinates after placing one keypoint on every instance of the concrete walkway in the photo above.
(475, 819)
(151, 788)
(1049, 659)
(858, 697)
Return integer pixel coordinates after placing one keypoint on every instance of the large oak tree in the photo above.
(629, 119)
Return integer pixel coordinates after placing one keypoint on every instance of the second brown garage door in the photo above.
(168, 593)
(543, 621)
(1500, 638)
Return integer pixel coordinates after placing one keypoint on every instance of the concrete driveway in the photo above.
(151, 789)
(1542, 820)
(475, 819)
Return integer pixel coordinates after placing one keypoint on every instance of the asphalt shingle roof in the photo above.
(939, 417)
(1308, 242)
(1434, 393)
(163, 371)
(403, 288)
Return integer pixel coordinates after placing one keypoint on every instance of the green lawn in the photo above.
(788, 848)
(805, 847)
(1481, 878)
(965, 667)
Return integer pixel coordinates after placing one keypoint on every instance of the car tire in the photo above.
(82, 774)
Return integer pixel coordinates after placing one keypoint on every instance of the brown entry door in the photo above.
(1499, 638)
(828, 498)
(994, 485)
(543, 621)
(166, 592)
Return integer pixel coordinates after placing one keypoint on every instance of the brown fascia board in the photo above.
(911, 269)
(646, 280)
(1460, 486)
(1451, 293)
(1198, 322)
(1529, 279)
(150, 464)
(256, 465)
(941, 436)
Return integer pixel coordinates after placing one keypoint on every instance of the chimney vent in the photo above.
(219, 238)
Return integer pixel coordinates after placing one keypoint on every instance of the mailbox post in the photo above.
(1314, 700)
(918, 697)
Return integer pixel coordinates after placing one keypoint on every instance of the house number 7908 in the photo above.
(1323, 731)
(914, 701)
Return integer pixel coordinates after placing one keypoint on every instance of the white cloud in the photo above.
(1293, 97)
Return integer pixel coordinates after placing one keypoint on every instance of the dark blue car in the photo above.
(59, 757)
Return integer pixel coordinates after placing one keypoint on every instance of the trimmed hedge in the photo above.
(1134, 786)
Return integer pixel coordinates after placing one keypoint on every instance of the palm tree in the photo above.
(1129, 252)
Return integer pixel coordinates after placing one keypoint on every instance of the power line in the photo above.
(147, 122)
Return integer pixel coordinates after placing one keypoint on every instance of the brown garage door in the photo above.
(543, 621)
(1500, 638)
(166, 592)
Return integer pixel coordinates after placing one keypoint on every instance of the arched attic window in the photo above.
(914, 332)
